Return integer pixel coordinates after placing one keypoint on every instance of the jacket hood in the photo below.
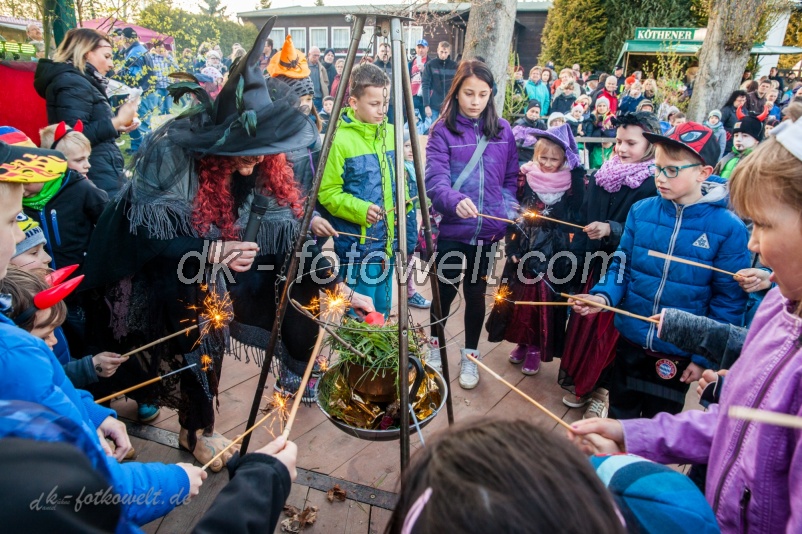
(715, 191)
(46, 71)
(365, 129)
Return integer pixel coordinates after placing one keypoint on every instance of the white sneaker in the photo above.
(469, 371)
(599, 404)
(433, 359)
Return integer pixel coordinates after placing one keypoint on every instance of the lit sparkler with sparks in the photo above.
(502, 294)
(536, 215)
(206, 363)
(332, 303)
(216, 311)
(277, 406)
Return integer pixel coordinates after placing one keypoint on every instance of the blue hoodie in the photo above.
(30, 372)
(707, 232)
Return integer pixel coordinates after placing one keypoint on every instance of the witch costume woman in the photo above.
(162, 256)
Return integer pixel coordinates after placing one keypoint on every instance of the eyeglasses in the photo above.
(672, 171)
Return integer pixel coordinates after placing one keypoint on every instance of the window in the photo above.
(299, 38)
(367, 39)
(341, 38)
(319, 37)
(278, 35)
(412, 34)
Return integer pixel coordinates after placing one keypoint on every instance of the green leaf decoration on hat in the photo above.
(240, 90)
(248, 121)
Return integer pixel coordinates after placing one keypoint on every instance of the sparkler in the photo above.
(503, 292)
(765, 416)
(536, 215)
(610, 308)
(334, 302)
(206, 363)
(215, 310)
(519, 392)
(143, 384)
(304, 381)
(502, 219)
(162, 340)
(409, 201)
(667, 257)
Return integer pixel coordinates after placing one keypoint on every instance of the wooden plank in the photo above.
(377, 465)
(184, 518)
(379, 517)
(346, 516)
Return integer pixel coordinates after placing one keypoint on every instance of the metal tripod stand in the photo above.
(386, 26)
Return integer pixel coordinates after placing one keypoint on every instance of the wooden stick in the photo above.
(331, 332)
(497, 218)
(656, 254)
(235, 441)
(610, 308)
(143, 384)
(409, 201)
(539, 216)
(160, 340)
(519, 392)
(304, 381)
(532, 303)
(765, 416)
(359, 236)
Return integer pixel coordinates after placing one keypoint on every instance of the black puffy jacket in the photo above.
(71, 96)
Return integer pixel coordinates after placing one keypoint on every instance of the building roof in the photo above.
(650, 48)
(538, 6)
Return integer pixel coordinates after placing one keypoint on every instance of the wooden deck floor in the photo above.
(323, 449)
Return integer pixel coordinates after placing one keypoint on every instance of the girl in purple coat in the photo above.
(471, 169)
(754, 469)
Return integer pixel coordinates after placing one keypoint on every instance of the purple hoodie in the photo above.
(491, 186)
(754, 469)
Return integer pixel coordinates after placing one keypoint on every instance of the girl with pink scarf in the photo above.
(553, 186)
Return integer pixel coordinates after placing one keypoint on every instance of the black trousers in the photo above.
(473, 275)
(636, 388)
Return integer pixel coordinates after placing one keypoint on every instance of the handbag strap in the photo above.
(477, 155)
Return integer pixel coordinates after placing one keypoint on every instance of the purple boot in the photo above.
(518, 354)
(532, 364)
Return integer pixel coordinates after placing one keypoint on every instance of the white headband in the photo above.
(789, 134)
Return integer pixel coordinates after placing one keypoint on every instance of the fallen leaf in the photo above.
(467, 402)
(308, 516)
(336, 493)
(290, 510)
(290, 525)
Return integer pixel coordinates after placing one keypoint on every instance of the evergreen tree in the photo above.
(264, 4)
(574, 33)
(213, 7)
(623, 16)
(318, 2)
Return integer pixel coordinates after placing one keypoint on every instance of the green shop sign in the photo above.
(669, 34)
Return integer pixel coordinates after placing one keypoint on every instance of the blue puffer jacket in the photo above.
(30, 372)
(705, 232)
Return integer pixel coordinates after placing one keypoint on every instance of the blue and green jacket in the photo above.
(360, 171)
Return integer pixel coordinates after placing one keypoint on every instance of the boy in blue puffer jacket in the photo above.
(30, 372)
(689, 219)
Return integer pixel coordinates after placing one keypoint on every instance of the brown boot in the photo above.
(207, 447)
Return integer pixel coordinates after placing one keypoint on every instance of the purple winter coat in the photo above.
(754, 469)
(491, 185)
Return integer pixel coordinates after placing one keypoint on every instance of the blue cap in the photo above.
(203, 78)
(422, 42)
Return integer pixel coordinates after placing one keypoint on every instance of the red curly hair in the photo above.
(214, 203)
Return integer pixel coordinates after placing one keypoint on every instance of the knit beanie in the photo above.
(645, 102)
(34, 235)
(750, 126)
(603, 99)
(714, 113)
(534, 103)
(554, 116)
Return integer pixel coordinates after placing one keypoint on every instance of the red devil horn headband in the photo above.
(48, 298)
(62, 129)
(59, 275)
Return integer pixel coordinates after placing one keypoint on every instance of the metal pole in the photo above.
(437, 310)
(401, 223)
(359, 26)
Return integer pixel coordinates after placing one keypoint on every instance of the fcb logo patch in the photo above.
(666, 369)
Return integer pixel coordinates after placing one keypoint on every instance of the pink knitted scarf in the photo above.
(614, 173)
(542, 182)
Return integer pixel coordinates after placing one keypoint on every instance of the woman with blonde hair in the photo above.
(74, 86)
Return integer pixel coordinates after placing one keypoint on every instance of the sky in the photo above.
(239, 6)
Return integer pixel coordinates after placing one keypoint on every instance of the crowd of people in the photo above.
(98, 258)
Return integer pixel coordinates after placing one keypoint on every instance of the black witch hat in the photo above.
(252, 116)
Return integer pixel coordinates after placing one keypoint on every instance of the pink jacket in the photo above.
(755, 469)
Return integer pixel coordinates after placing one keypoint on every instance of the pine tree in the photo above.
(574, 33)
(623, 16)
(318, 2)
(264, 4)
(213, 7)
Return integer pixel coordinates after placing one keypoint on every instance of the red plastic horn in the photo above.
(61, 131)
(375, 318)
(739, 113)
(50, 297)
(59, 275)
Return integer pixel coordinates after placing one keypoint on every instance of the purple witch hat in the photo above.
(564, 138)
